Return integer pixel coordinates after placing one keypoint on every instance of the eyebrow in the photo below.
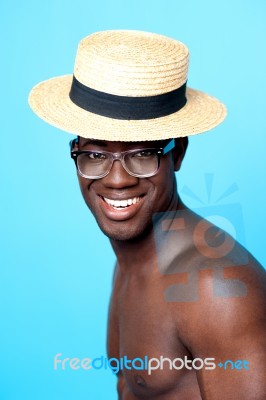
(94, 142)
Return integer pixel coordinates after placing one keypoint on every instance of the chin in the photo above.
(125, 232)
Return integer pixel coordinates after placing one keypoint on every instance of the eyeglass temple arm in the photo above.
(169, 147)
(72, 143)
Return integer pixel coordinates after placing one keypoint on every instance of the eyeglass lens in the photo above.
(144, 162)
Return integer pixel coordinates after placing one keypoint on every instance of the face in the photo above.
(142, 197)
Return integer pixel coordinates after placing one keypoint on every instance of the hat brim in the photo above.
(50, 101)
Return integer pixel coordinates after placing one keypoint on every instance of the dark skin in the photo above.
(225, 321)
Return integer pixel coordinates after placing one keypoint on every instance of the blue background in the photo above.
(56, 266)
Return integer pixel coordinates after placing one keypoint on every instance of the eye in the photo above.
(144, 153)
(96, 156)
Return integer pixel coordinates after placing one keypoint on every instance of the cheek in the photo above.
(84, 185)
(165, 179)
(164, 192)
(168, 186)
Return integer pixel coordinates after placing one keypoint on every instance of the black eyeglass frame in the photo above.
(161, 151)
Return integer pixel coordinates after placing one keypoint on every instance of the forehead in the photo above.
(120, 146)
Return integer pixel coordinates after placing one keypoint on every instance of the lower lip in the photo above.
(120, 214)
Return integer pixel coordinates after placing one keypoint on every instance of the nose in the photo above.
(118, 177)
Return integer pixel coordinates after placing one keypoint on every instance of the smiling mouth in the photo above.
(122, 204)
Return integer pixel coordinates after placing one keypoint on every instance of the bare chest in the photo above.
(143, 333)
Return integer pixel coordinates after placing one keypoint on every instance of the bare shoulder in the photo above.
(225, 288)
(212, 260)
(231, 300)
(222, 303)
(221, 312)
(227, 323)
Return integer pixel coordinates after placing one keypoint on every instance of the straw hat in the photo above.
(127, 86)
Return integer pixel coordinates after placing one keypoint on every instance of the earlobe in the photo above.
(179, 152)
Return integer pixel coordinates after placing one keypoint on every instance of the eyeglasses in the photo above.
(141, 163)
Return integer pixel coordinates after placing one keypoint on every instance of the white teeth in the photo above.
(122, 203)
(109, 201)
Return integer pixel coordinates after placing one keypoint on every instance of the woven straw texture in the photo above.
(127, 63)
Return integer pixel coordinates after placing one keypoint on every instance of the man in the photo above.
(186, 297)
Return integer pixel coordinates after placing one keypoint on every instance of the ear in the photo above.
(74, 144)
(179, 151)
